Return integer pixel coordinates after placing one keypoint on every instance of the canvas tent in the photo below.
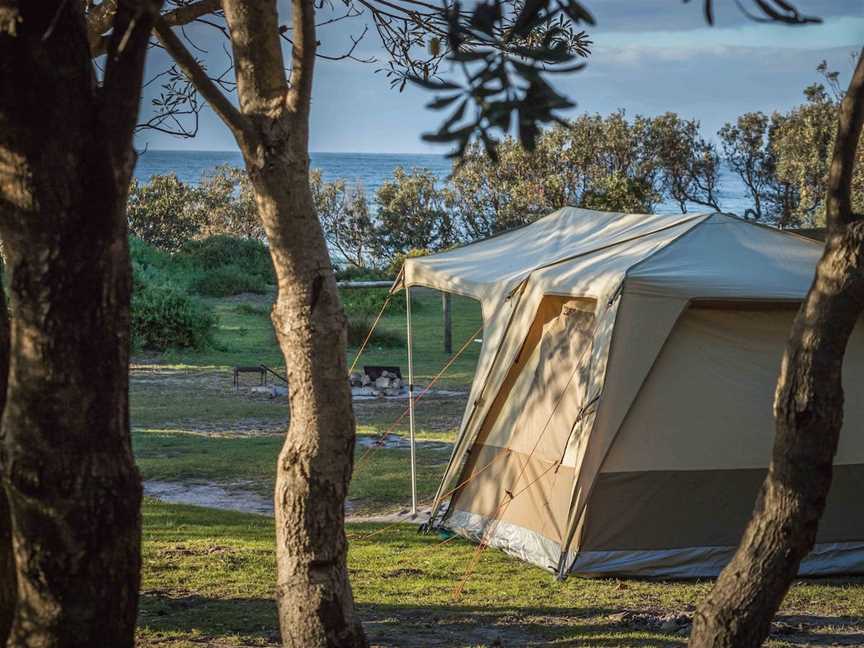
(620, 419)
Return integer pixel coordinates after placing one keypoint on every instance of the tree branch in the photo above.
(99, 21)
(97, 25)
(226, 111)
(258, 63)
(838, 207)
(124, 72)
(302, 57)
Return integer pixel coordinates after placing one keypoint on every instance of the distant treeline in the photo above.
(612, 163)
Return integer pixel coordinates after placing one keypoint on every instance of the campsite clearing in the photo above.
(209, 575)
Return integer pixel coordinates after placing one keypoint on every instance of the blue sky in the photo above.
(649, 57)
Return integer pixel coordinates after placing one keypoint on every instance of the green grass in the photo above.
(244, 335)
(209, 578)
(380, 484)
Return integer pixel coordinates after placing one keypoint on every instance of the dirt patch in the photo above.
(440, 628)
(402, 515)
(226, 497)
(398, 442)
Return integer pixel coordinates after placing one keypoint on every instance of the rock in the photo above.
(356, 379)
(396, 383)
(669, 625)
(365, 380)
(263, 390)
(383, 382)
(365, 391)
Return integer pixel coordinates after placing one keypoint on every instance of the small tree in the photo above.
(344, 214)
(412, 214)
(164, 212)
(687, 163)
(225, 204)
(750, 152)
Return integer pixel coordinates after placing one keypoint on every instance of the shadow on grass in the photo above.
(254, 620)
(167, 616)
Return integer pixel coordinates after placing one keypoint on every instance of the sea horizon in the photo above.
(371, 170)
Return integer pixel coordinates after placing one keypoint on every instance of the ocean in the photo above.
(370, 170)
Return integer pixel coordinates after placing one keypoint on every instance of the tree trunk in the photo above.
(8, 580)
(313, 591)
(316, 607)
(808, 411)
(65, 163)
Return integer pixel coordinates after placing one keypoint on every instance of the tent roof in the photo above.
(693, 255)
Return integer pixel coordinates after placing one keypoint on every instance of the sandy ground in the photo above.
(238, 496)
(227, 497)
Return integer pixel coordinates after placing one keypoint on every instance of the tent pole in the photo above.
(411, 402)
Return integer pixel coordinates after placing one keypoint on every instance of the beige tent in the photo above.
(620, 418)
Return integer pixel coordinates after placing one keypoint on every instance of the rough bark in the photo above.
(65, 163)
(808, 411)
(8, 580)
(315, 602)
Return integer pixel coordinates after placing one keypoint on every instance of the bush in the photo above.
(366, 302)
(164, 317)
(353, 273)
(164, 212)
(228, 280)
(399, 259)
(219, 251)
(358, 329)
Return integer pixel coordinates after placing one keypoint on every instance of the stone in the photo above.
(355, 379)
(263, 390)
(396, 383)
(669, 625)
(383, 382)
(365, 380)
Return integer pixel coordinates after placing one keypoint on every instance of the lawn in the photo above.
(208, 575)
(244, 336)
(209, 580)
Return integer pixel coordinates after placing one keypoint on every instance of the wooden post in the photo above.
(448, 322)
(411, 402)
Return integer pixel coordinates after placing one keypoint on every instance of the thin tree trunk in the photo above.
(313, 592)
(808, 410)
(316, 607)
(67, 468)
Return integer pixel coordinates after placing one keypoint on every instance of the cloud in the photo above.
(834, 32)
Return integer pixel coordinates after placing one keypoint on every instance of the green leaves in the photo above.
(507, 50)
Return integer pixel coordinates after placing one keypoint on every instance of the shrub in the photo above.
(164, 212)
(218, 251)
(399, 259)
(358, 329)
(366, 302)
(164, 317)
(353, 273)
(228, 280)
